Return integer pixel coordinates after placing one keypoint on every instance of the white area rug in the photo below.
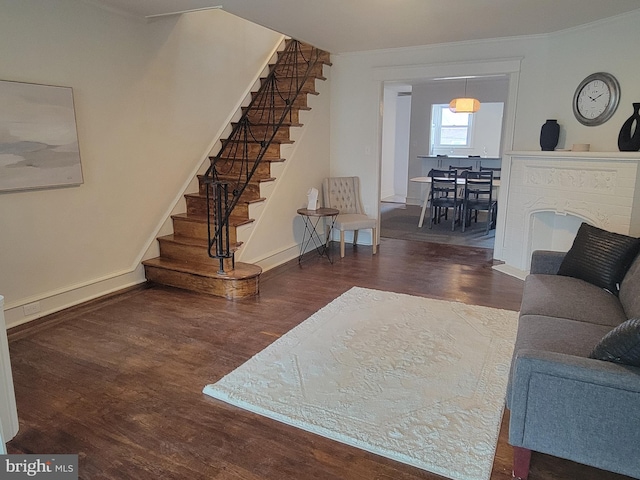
(418, 380)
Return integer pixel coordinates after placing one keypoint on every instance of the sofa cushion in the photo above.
(568, 297)
(620, 345)
(630, 290)
(600, 257)
(558, 335)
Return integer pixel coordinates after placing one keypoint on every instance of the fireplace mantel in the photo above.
(549, 194)
(567, 154)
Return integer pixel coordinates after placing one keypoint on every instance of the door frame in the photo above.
(509, 67)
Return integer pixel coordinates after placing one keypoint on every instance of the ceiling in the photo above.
(341, 26)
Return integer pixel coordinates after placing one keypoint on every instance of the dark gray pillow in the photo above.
(620, 345)
(600, 257)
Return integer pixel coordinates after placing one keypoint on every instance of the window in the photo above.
(451, 130)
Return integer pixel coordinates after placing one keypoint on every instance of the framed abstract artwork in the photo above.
(38, 137)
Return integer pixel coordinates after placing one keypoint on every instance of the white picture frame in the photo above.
(38, 137)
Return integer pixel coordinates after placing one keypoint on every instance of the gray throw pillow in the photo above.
(620, 345)
(600, 257)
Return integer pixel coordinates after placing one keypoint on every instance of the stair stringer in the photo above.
(276, 233)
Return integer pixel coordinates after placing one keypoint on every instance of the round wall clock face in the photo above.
(596, 99)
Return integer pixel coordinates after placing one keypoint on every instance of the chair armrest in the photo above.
(546, 261)
(581, 409)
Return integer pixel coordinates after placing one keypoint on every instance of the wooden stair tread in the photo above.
(316, 76)
(234, 220)
(255, 200)
(232, 178)
(241, 270)
(245, 202)
(306, 92)
(241, 282)
(183, 240)
(190, 218)
(277, 107)
(270, 160)
(193, 242)
(266, 124)
(253, 180)
(300, 61)
(274, 141)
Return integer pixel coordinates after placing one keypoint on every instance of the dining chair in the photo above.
(343, 193)
(478, 195)
(444, 195)
(496, 171)
(460, 170)
(496, 176)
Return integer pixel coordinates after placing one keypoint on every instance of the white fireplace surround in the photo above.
(549, 194)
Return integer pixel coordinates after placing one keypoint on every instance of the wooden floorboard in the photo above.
(119, 380)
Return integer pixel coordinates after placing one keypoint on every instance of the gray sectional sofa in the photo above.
(561, 401)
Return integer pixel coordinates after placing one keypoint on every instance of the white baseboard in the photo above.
(274, 259)
(54, 301)
(509, 270)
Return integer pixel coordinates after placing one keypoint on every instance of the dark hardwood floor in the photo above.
(119, 380)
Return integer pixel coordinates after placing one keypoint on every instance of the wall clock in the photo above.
(596, 99)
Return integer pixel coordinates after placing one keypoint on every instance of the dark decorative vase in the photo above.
(549, 134)
(629, 137)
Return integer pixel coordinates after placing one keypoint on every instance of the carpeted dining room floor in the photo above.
(399, 220)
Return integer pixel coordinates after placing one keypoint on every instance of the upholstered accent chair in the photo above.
(343, 193)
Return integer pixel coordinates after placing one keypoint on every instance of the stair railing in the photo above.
(233, 167)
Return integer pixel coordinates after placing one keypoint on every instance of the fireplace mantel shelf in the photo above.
(583, 155)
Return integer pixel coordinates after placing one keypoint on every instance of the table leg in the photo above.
(424, 208)
(310, 230)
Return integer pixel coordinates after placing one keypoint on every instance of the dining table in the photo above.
(459, 181)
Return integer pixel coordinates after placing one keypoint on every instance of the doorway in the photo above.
(409, 150)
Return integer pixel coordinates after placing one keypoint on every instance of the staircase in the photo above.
(200, 254)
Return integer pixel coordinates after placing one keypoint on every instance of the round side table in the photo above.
(311, 220)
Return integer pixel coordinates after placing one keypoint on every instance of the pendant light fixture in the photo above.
(464, 104)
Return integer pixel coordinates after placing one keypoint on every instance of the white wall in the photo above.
(150, 98)
(403, 124)
(487, 130)
(551, 67)
(388, 152)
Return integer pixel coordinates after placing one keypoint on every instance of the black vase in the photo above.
(549, 134)
(629, 137)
